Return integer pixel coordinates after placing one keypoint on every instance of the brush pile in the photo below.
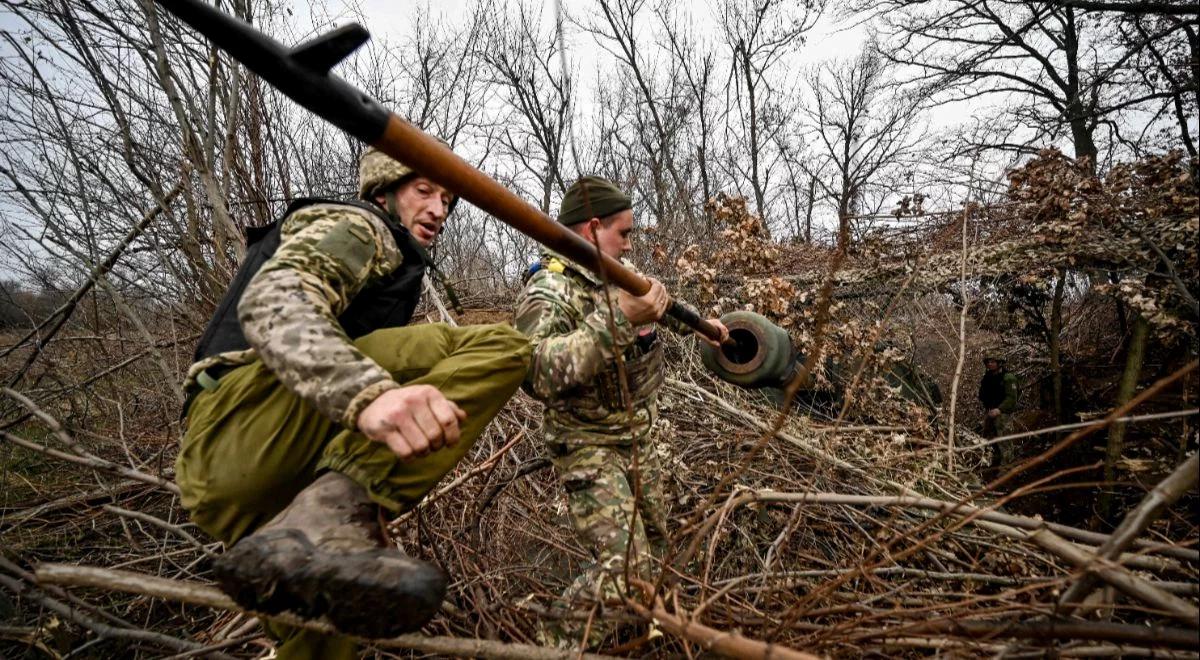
(860, 525)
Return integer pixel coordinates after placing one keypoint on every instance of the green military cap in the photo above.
(591, 197)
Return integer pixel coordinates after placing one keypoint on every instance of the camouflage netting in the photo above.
(1132, 234)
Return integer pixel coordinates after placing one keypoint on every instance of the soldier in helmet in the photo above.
(311, 403)
(998, 395)
(592, 430)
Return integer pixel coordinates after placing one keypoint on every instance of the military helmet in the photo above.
(378, 171)
(989, 357)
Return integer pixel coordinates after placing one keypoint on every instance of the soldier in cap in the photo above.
(311, 403)
(594, 424)
(998, 394)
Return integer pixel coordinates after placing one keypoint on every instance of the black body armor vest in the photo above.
(991, 389)
(387, 303)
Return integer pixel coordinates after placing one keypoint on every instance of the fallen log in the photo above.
(725, 643)
(101, 628)
(1166, 493)
(1114, 574)
(1020, 522)
(195, 593)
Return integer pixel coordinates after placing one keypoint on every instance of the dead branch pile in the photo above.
(835, 540)
(864, 527)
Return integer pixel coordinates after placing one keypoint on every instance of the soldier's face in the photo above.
(614, 236)
(422, 206)
(992, 365)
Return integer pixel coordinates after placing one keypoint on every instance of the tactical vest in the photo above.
(386, 303)
(603, 396)
(991, 389)
(643, 371)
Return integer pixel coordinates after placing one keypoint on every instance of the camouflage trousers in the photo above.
(608, 519)
(994, 427)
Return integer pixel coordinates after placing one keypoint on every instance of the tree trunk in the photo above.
(1187, 432)
(1116, 435)
(1056, 345)
(962, 347)
(808, 215)
(702, 155)
(843, 237)
(845, 212)
(1079, 112)
(755, 182)
(547, 188)
(1081, 135)
(1122, 323)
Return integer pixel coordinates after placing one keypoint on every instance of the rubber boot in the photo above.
(324, 555)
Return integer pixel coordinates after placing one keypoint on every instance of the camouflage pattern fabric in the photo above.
(252, 444)
(999, 390)
(1006, 452)
(994, 427)
(599, 482)
(592, 426)
(328, 253)
(377, 172)
(564, 310)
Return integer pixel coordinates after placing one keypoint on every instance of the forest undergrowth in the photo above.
(848, 521)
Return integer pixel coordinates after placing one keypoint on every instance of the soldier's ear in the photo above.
(588, 229)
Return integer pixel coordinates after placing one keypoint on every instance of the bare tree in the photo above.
(759, 34)
(1061, 68)
(1170, 64)
(862, 129)
(696, 62)
(525, 65)
(800, 184)
(656, 115)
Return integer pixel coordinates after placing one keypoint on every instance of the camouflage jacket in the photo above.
(999, 390)
(328, 253)
(564, 311)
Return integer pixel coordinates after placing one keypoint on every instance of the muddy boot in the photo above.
(324, 555)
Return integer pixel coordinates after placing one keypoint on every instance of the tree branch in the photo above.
(1166, 493)
(200, 594)
(1167, 8)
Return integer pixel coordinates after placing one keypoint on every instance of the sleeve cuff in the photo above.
(364, 399)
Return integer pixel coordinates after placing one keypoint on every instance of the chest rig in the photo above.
(643, 360)
(386, 303)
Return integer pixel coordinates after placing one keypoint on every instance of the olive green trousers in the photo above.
(252, 444)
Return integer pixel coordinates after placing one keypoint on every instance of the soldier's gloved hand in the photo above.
(412, 421)
(649, 308)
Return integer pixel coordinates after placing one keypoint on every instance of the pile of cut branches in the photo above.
(832, 539)
(866, 526)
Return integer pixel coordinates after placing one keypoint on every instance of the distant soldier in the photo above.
(310, 405)
(591, 429)
(998, 394)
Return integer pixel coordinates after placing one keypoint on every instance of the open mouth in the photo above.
(426, 231)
